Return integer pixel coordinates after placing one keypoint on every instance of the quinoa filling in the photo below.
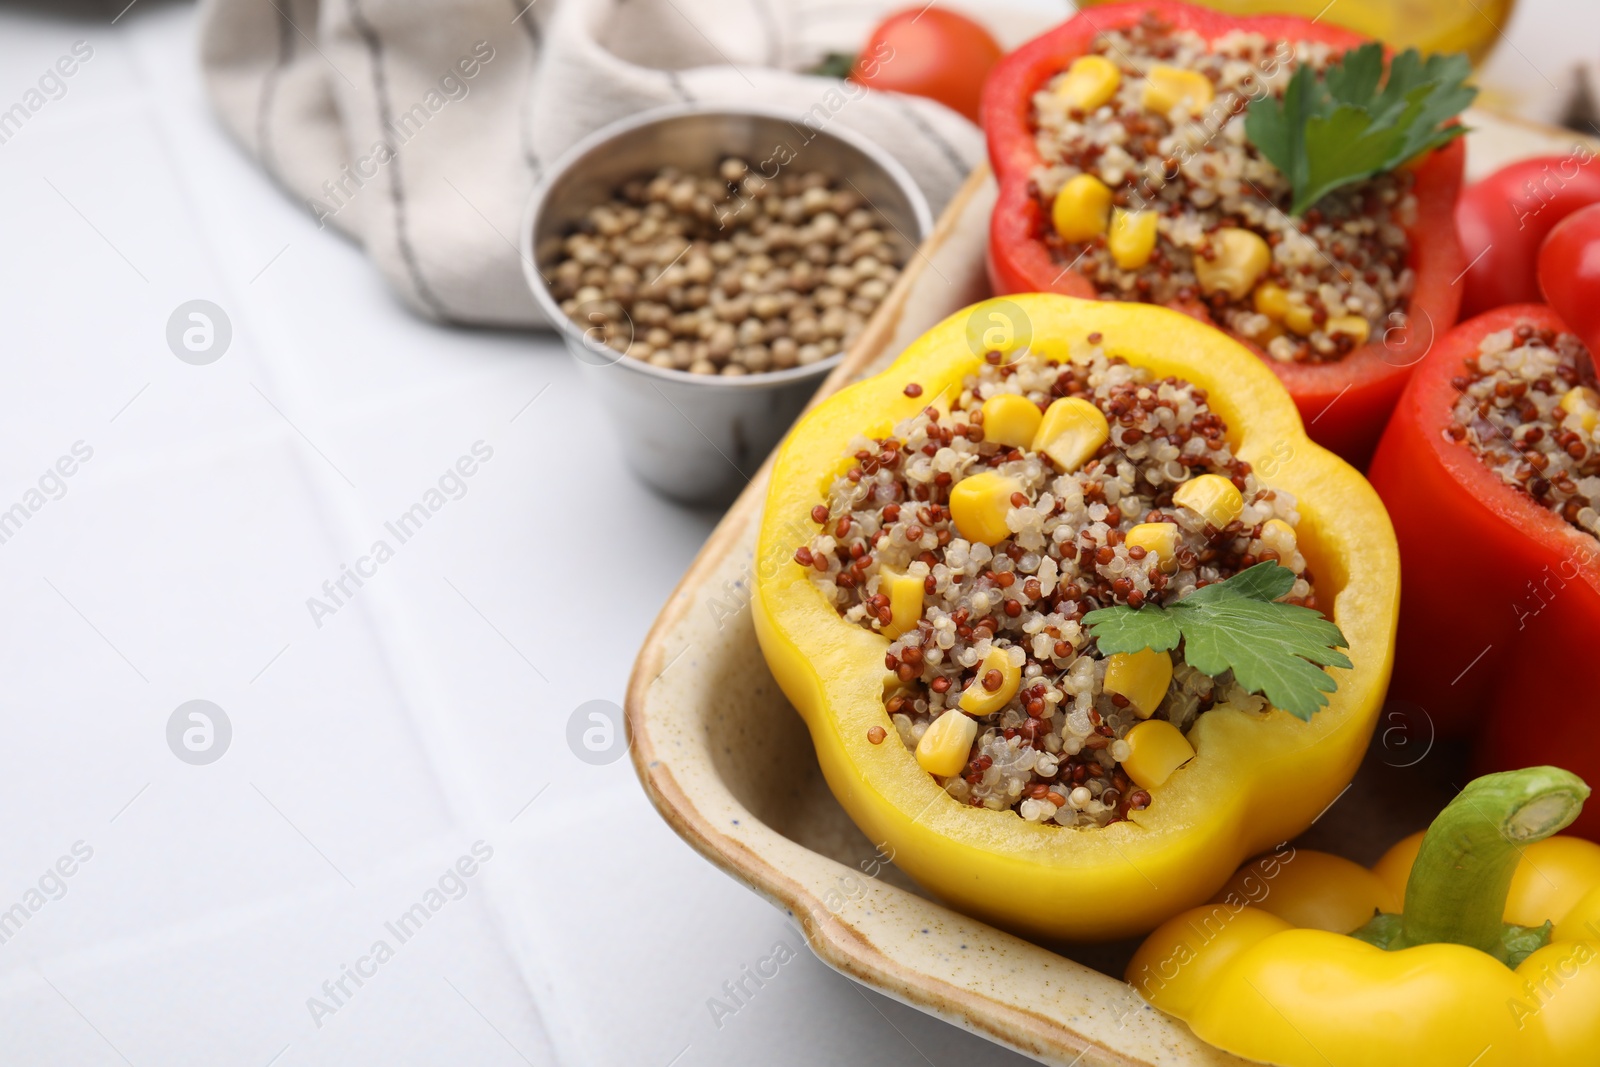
(1529, 409)
(1054, 752)
(1199, 215)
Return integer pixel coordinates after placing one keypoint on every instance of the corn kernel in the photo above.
(1265, 336)
(1071, 431)
(905, 601)
(1011, 420)
(1271, 300)
(1280, 537)
(946, 744)
(1082, 209)
(1158, 539)
(1141, 677)
(1212, 497)
(980, 701)
(1239, 259)
(1158, 749)
(1355, 327)
(1090, 82)
(979, 506)
(1584, 403)
(1166, 87)
(1298, 319)
(1132, 237)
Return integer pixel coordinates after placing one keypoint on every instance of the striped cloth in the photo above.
(419, 127)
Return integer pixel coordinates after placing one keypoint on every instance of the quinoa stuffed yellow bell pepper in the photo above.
(1178, 799)
(1476, 943)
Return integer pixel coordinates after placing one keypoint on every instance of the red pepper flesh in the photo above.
(1501, 604)
(1344, 403)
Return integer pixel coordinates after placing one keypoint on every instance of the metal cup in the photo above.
(694, 437)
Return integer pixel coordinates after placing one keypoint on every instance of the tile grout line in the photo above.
(389, 617)
(338, 516)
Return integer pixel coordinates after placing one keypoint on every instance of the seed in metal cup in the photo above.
(698, 437)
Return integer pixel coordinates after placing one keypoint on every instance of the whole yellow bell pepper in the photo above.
(1257, 779)
(1494, 960)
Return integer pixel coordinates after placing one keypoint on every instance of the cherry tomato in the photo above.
(1504, 218)
(1569, 273)
(931, 52)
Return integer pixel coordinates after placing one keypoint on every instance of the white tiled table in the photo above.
(370, 752)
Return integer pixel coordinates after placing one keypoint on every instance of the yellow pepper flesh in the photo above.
(1256, 780)
(1269, 973)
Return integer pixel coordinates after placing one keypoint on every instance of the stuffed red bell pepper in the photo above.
(1269, 175)
(1490, 470)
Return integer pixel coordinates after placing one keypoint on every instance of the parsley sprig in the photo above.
(1339, 127)
(1274, 649)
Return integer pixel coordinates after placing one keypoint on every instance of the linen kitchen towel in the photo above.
(419, 127)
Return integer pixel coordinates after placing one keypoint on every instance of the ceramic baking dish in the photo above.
(729, 763)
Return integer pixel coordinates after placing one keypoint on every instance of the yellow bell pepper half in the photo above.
(1257, 779)
(1467, 973)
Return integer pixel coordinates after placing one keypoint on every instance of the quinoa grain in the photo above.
(1053, 752)
(1347, 257)
(1529, 408)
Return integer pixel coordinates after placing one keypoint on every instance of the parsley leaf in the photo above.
(1122, 629)
(1340, 127)
(1275, 649)
(1358, 150)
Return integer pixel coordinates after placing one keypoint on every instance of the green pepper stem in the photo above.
(1458, 886)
